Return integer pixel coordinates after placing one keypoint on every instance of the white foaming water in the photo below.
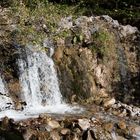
(35, 112)
(39, 87)
(2, 86)
(38, 79)
(113, 134)
(5, 101)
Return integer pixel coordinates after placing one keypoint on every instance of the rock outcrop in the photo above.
(98, 55)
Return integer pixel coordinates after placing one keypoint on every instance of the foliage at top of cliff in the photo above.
(125, 11)
(34, 20)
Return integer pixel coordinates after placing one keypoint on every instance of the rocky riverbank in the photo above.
(96, 123)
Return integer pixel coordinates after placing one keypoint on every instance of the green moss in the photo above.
(103, 45)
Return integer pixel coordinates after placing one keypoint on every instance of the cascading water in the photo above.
(2, 86)
(39, 86)
(38, 79)
(5, 101)
(39, 82)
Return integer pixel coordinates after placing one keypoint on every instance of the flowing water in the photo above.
(5, 101)
(39, 80)
(3, 90)
(39, 86)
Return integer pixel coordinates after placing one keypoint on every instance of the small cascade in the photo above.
(5, 101)
(38, 79)
(39, 83)
(39, 87)
(3, 90)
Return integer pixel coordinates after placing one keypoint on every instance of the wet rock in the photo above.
(109, 102)
(132, 110)
(48, 44)
(108, 127)
(28, 134)
(18, 105)
(136, 132)
(122, 125)
(120, 138)
(53, 124)
(84, 124)
(6, 102)
(65, 131)
(43, 116)
(43, 127)
(99, 134)
(73, 99)
(5, 123)
(14, 88)
(88, 135)
(103, 93)
(54, 135)
(75, 137)
(78, 131)
(58, 54)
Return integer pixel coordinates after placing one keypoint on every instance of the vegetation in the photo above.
(36, 18)
(126, 11)
(35, 24)
(103, 45)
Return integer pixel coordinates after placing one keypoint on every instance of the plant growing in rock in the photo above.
(103, 45)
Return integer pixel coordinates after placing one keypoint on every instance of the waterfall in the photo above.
(39, 83)
(3, 90)
(5, 101)
(39, 86)
(38, 78)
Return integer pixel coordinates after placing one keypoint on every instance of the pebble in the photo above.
(122, 125)
(84, 124)
(53, 124)
(54, 135)
(65, 131)
(109, 102)
(108, 127)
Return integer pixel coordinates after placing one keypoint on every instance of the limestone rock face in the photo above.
(101, 54)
